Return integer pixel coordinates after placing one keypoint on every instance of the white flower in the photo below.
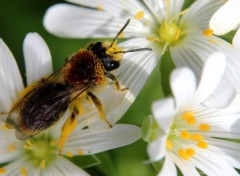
(188, 134)
(226, 19)
(39, 155)
(159, 24)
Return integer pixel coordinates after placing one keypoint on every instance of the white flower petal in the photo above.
(210, 80)
(194, 53)
(90, 141)
(65, 167)
(164, 111)
(186, 167)
(157, 149)
(169, 168)
(10, 78)
(67, 20)
(205, 160)
(236, 39)
(183, 85)
(226, 18)
(37, 56)
(200, 13)
(14, 168)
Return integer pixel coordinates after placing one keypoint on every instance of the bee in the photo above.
(44, 102)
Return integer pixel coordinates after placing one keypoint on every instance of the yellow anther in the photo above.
(204, 127)
(100, 8)
(69, 154)
(121, 35)
(190, 152)
(196, 137)
(183, 154)
(80, 152)
(187, 115)
(67, 128)
(11, 147)
(169, 145)
(43, 164)
(23, 171)
(185, 134)
(151, 38)
(202, 144)
(191, 121)
(208, 32)
(139, 15)
(3, 171)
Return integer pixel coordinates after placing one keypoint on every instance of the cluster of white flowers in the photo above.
(190, 130)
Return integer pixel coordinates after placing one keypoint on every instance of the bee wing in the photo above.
(41, 108)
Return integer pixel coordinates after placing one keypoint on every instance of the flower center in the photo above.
(169, 33)
(41, 150)
(181, 131)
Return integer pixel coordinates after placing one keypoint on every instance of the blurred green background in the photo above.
(18, 17)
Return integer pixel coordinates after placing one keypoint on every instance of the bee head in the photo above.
(110, 53)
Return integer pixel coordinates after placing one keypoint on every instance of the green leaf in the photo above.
(166, 67)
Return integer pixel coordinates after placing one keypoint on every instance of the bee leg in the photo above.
(77, 105)
(69, 125)
(114, 78)
(99, 107)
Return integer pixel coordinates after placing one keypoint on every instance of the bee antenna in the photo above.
(115, 38)
(134, 50)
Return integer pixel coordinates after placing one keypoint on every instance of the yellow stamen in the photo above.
(169, 145)
(3, 171)
(191, 121)
(23, 171)
(43, 164)
(202, 144)
(204, 127)
(100, 8)
(187, 115)
(69, 154)
(196, 137)
(67, 128)
(151, 38)
(80, 152)
(139, 15)
(183, 154)
(185, 134)
(208, 32)
(190, 152)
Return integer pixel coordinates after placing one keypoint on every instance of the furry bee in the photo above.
(44, 102)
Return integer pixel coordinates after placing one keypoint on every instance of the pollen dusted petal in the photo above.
(3, 171)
